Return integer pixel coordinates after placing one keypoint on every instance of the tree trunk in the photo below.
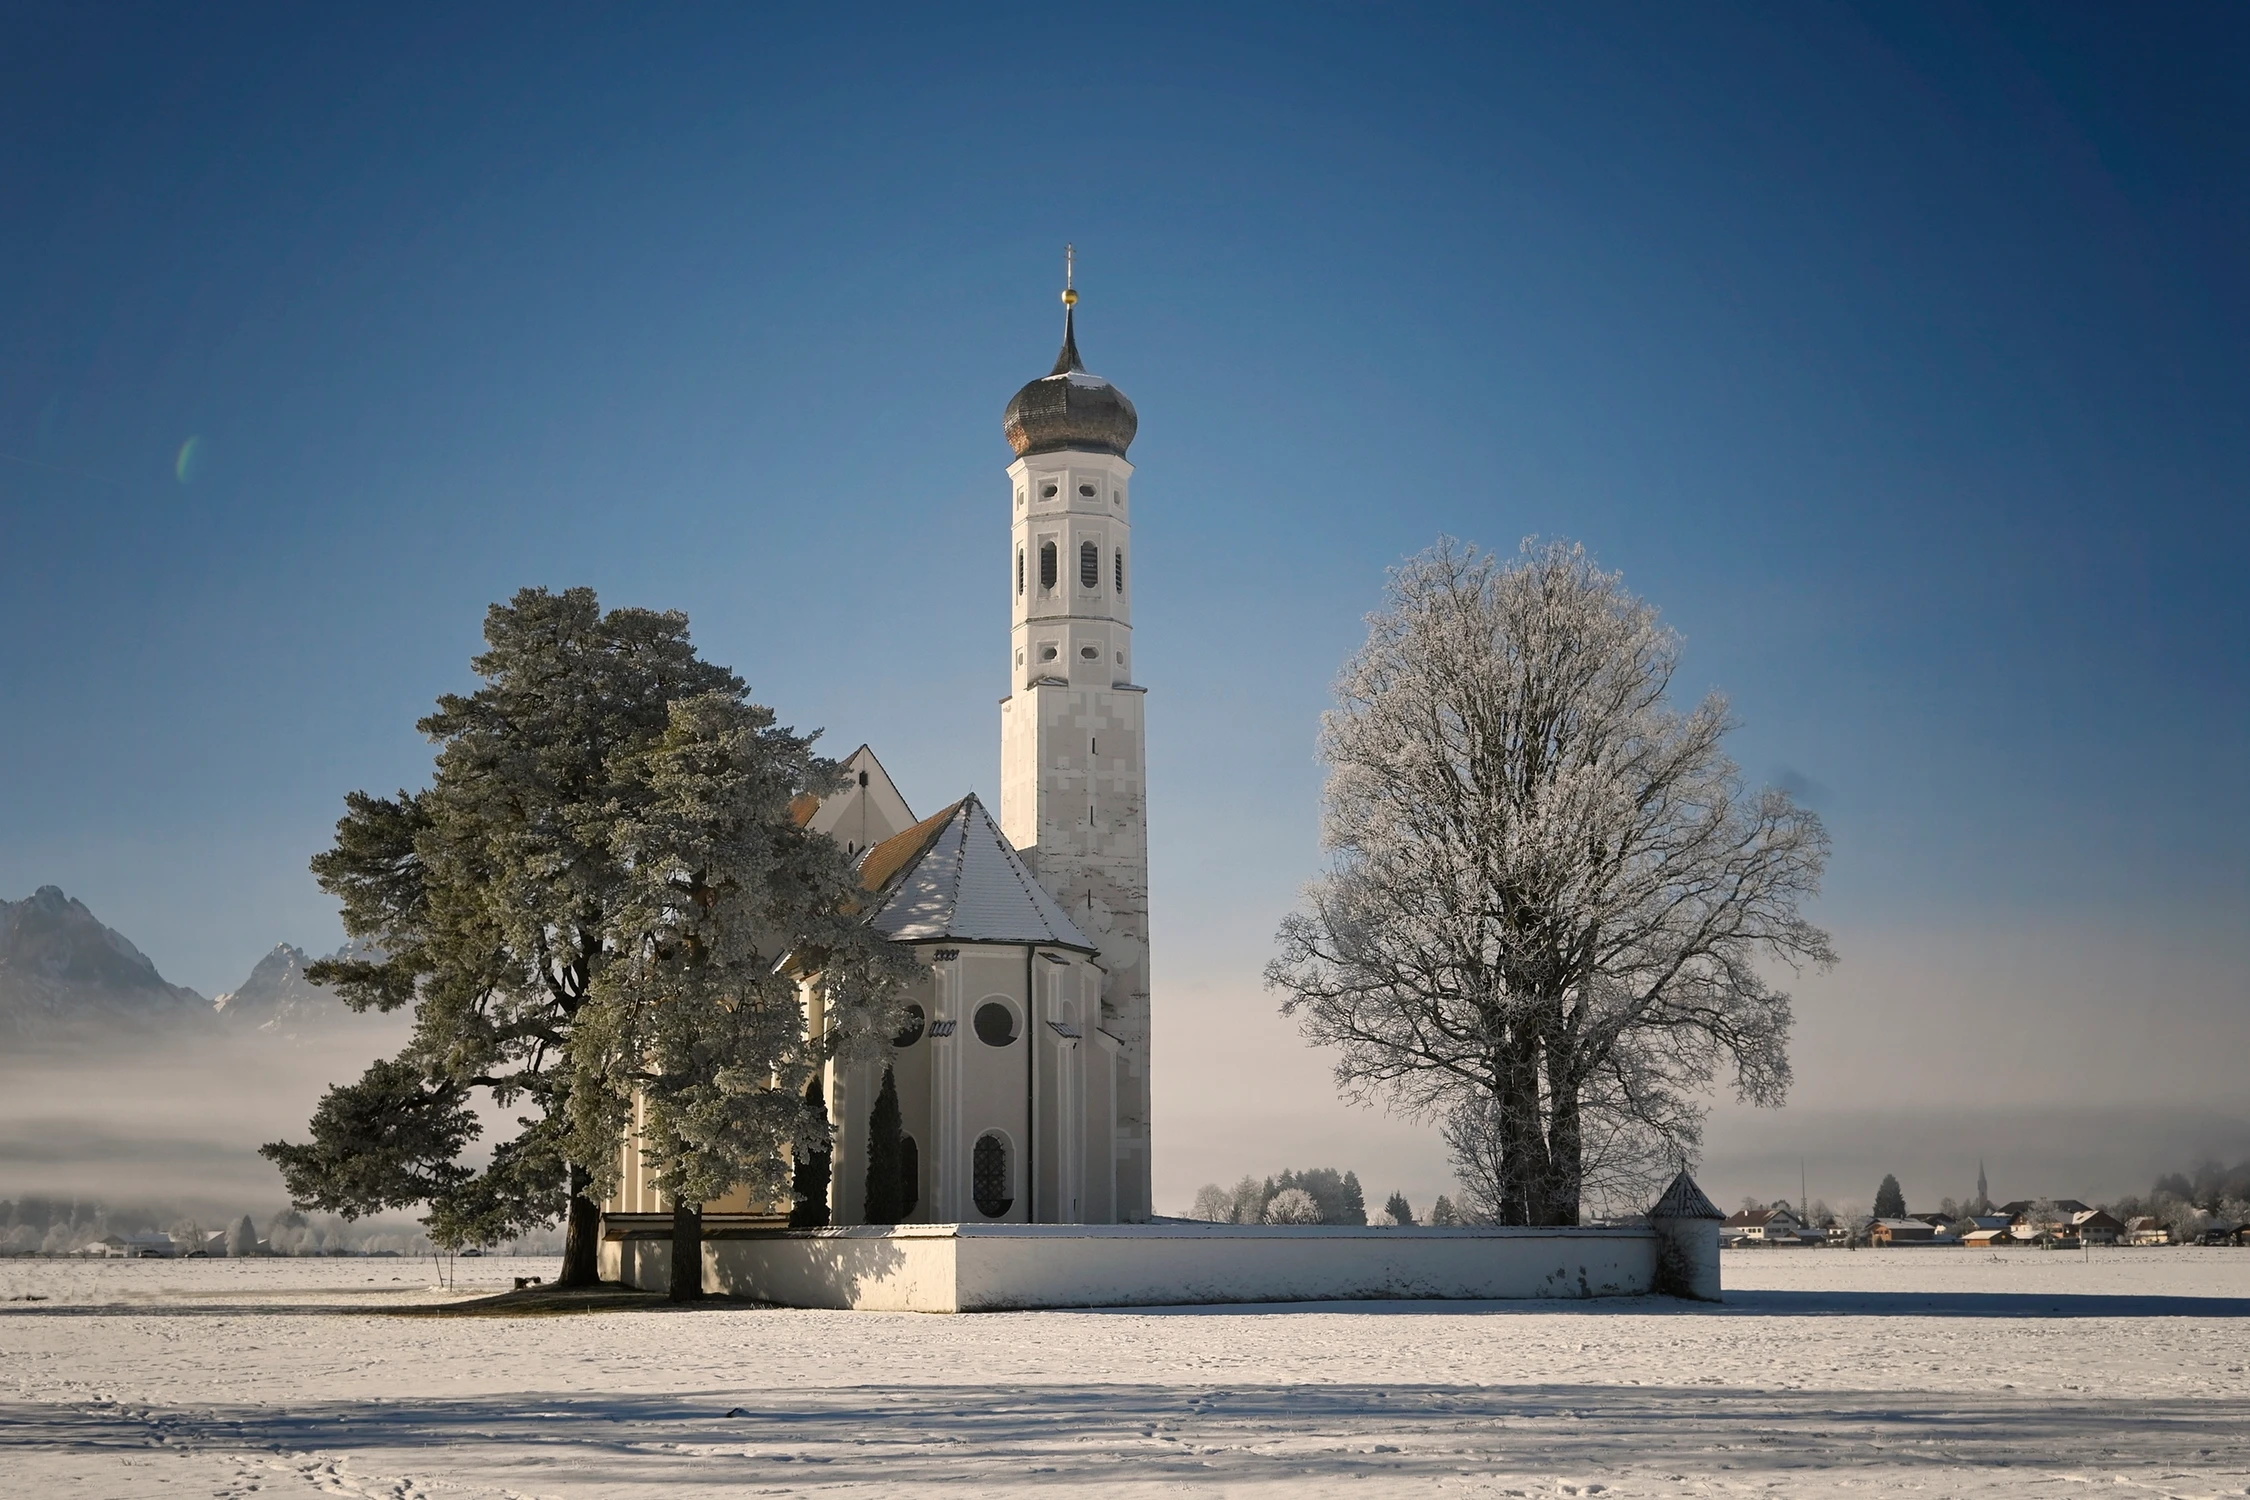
(1523, 1149)
(687, 1251)
(1564, 1180)
(582, 1234)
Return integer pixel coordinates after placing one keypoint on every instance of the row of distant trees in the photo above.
(63, 1226)
(1321, 1195)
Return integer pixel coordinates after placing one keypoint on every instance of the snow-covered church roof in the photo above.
(955, 877)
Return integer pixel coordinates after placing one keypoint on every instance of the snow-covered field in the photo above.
(1940, 1371)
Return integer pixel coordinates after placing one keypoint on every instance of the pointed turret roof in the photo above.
(954, 877)
(1684, 1200)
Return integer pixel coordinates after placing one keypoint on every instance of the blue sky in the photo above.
(1897, 354)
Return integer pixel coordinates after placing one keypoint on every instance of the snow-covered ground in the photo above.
(1941, 1371)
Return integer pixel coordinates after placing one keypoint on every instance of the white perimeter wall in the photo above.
(975, 1268)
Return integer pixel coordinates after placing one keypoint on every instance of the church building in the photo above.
(1022, 1076)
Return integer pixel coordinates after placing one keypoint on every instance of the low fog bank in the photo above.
(171, 1121)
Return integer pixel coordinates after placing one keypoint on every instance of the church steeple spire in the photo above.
(1068, 362)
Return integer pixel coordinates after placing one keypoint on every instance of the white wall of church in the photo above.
(956, 1087)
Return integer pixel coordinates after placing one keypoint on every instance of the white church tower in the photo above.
(1073, 775)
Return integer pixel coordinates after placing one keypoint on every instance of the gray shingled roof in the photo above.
(1684, 1200)
(968, 885)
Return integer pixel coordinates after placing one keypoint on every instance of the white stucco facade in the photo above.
(1073, 763)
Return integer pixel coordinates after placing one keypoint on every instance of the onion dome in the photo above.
(1070, 409)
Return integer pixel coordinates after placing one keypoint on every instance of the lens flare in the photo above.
(190, 462)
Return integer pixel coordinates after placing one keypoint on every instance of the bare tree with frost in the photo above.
(1548, 891)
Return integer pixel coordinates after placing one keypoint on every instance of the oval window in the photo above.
(988, 1177)
(1089, 566)
(917, 1021)
(996, 1024)
(1046, 492)
(1091, 653)
(1087, 490)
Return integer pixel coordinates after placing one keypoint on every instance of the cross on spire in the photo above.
(1070, 275)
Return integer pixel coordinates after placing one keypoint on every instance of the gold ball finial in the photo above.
(1070, 296)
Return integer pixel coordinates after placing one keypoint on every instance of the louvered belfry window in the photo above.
(1121, 570)
(1046, 565)
(1019, 570)
(1089, 566)
(988, 1177)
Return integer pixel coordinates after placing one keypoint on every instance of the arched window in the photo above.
(1120, 571)
(1019, 572)
(909, 1177)
(988, 1177)
(1089, 566)
(1046, 565)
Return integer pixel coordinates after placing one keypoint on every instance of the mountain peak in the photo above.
(59, 964)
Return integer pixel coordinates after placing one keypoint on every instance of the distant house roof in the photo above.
(1759, 1218)
(2064, 1206)
(955, 877)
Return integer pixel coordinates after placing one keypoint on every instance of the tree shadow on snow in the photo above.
(1006, 1433)
(1743, 1304)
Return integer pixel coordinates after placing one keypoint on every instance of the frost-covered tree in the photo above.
(1399, 1211)
(1443, 1215)
(1890, 1200)
(563, 833)
(1549, 894)
(694, 1013)
(1293, 1206)
(1250, 1197)
(1213, 1204)
(242, 1237)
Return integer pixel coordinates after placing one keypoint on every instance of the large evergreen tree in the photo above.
(697, 1014)
(1890, 1202)
(574, 907)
